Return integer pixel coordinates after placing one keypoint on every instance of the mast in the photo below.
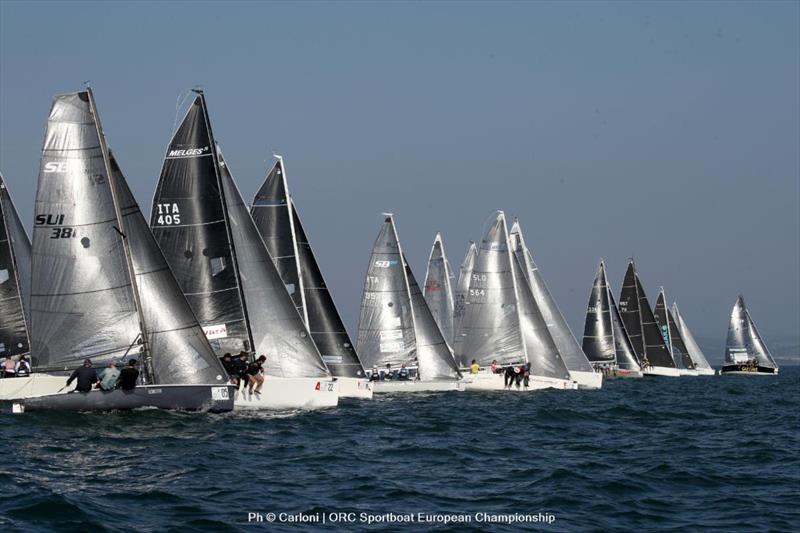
(148, 360)
(290, 212)
(215, 159)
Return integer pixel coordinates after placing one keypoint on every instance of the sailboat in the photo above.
(278, 222)
(460, 299)
(651, 351)
(226, 273)
(439, 289)
(701, 365)
(396, 329)
(605, 341)
(672, 336)
(579, 367)
(745, 351)
(101, 288)
(502, 321)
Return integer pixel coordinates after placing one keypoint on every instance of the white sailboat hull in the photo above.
(705, 371)
(355, 388)
(661, 371)
(484, 381)
(32, 386)
(587, 380)
(381, 387)
(627, 373)
(280, 394)
(688, 372)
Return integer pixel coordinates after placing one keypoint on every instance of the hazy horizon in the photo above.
(667, 132)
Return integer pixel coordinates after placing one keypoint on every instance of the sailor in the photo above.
(474, 368)
(129, 376)
(9, 369)
(387, 374)
(23, 367)
(86, 376)
(227, 364)
(517, 377)
(494, 366)
(109, 376)
(240, 368)
(403, 374)
(255, 375)
(374, 375)
(508, 377)
(526, 374)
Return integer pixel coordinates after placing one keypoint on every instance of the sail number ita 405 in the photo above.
(168, 214)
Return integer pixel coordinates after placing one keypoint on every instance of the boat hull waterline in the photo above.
(281, 394)
(207, 398)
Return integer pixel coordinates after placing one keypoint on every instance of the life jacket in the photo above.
(23, 368)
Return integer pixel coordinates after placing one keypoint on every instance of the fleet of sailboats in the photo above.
(210, 275)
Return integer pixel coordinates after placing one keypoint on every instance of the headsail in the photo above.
(671, 334)
(598, 331)
(15, 279)
(434, 356)
(460, 298)
(95, 261)
(490, 328)
(697, 355)
(190, 224)
(386, 323)
(439, 289)
(568, 347)
(626, 355)
(278, 222)
(744, 344)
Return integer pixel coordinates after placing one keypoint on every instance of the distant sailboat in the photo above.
(701, 363)
(502, 321)
(439, 289)
(605, 341)
(101, 288)
(745, 351)
(579, 367)
(223, 267)
(672, 336)
(396, 329)
(653, 355)
(15, 280)
(460, 299)
(278, 222)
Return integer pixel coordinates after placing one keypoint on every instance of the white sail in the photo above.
(439, 289)
(695, 352)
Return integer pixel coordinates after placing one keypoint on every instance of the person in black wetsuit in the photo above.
(227, 364)
(86, 376)
(255, 375)
(240, 366)
(402, 375)
(129, 376)
(508, 376)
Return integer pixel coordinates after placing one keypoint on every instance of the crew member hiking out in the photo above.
(85, 375)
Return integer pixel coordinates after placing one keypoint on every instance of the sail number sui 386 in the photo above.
(58, 230)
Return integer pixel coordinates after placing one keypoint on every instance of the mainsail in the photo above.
(434, 356)
(460, 299)
(670, 333)
(598, 331)
(490, 328)
(100, 284)
(640, 323)
(278, 222)
(697, 355)
(568, 347)
(744, 344)
(221, 263)
(439, 289)
(15, 279)
(386, 323)
(626, 355)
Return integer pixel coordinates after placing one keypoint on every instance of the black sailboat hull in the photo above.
(748, 369)
(210, 398)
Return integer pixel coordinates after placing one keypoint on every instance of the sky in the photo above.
(668, 132)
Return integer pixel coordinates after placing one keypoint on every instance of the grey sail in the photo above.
(95, 261)
(744, 344)
(189, 222)
(277, 330)
(434, 357)
(82, 302)
(695, 352)
(568, 347)
(491, 326)
(655, 349)
(439, 289)
(540, 348)
(626, 355)
(278, 222)
(629, 311)
(15, 279)
(178, 349)
(460, 298)
(386, 323)
(670, 333)
(598, 330)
